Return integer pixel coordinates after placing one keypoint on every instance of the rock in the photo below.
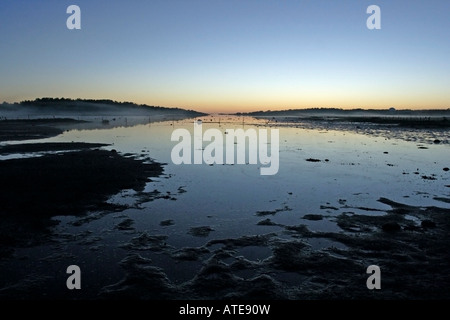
(446, 169)
(437, 141)
(312, 160)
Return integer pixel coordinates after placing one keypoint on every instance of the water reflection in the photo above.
(353, 171)
(346, 173)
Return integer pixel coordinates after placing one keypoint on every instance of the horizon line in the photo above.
(266, 110)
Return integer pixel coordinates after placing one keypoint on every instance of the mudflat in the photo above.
(34, 128)
(69, 183)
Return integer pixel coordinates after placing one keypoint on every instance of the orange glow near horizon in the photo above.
(226, 98)
(229, 102)
(249, 105)
(271, 97)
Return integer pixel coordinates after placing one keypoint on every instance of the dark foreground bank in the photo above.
(70, 183)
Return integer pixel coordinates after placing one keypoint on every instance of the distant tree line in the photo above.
(390, 112)
(67, 102)
(42, 102)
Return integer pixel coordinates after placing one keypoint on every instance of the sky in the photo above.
(229, 55)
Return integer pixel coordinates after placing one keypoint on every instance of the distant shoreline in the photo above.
(335, 112)
(49, 117)
(72, 108)
(19, 129)
(413, 121)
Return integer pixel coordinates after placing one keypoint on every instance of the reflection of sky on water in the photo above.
(360, 170)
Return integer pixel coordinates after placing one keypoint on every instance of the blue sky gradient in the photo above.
(229, 55)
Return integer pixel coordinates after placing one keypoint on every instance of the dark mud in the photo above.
(142, 281)
(266, 222)
(48, 147)
(413, 256)
(125, 225)
(313, 217)
(166, 223)
(272, 212)
(202, 231)
(69, 183)
(145, 242)
(72, 183)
